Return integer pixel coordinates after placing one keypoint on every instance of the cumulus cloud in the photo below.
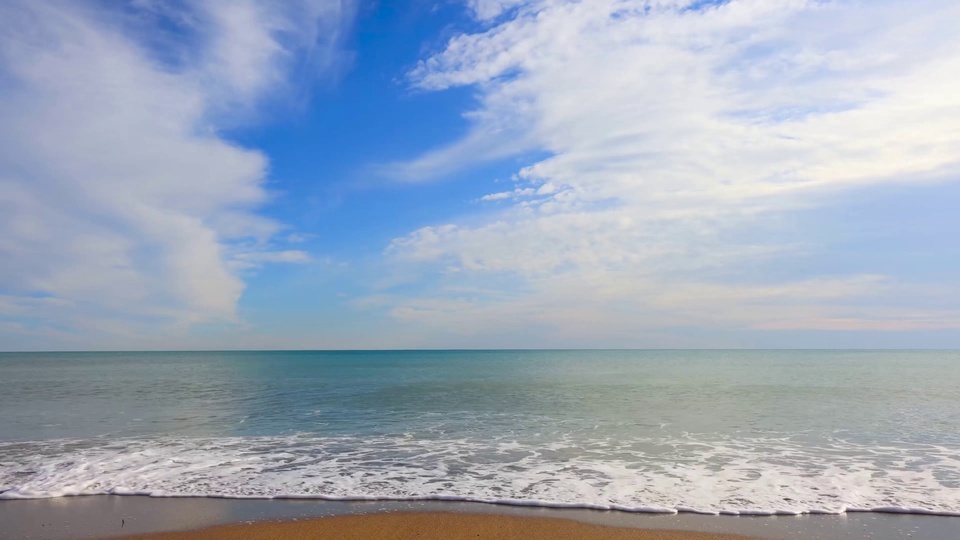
(122, 207)
(675, 130)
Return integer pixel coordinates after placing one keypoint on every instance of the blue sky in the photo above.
(215, 174)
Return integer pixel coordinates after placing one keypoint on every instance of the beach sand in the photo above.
(432, 526)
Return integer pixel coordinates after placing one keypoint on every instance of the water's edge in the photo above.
(104, 516)
(16, 496)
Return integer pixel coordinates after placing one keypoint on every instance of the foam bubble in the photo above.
(736, 476)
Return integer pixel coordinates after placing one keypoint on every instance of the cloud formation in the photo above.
(122, 207)
(677, 130)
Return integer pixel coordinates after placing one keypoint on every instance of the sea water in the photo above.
(748, 432)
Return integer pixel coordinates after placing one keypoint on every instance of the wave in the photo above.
(721, 475)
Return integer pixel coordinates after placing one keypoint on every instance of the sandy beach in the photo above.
(432, 526)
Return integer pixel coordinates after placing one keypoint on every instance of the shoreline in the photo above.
(115, 516)
(514, 503)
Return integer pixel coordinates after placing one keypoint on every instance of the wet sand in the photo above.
(432, 526)
(111, 516)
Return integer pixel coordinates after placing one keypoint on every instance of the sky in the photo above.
(353, 174)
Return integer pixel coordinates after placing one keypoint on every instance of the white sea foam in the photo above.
(720, 476)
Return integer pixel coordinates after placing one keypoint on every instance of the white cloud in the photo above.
(677, 128)
(118, 197)
(490, 9)
(253, 259)
(744, 99)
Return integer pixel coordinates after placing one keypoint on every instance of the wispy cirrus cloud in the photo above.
(676, 130)
(120, 200)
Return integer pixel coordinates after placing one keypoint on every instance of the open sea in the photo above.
(748, 432)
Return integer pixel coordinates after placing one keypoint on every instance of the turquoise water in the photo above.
(707, 431)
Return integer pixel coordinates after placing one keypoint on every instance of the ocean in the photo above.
(728, 432)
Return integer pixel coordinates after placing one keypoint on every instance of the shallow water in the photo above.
(708, 431)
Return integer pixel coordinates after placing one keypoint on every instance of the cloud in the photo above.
(611, 310)
(677, 133)
(254, 259)
(736, 100)
(119, 198)
(490, 9)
